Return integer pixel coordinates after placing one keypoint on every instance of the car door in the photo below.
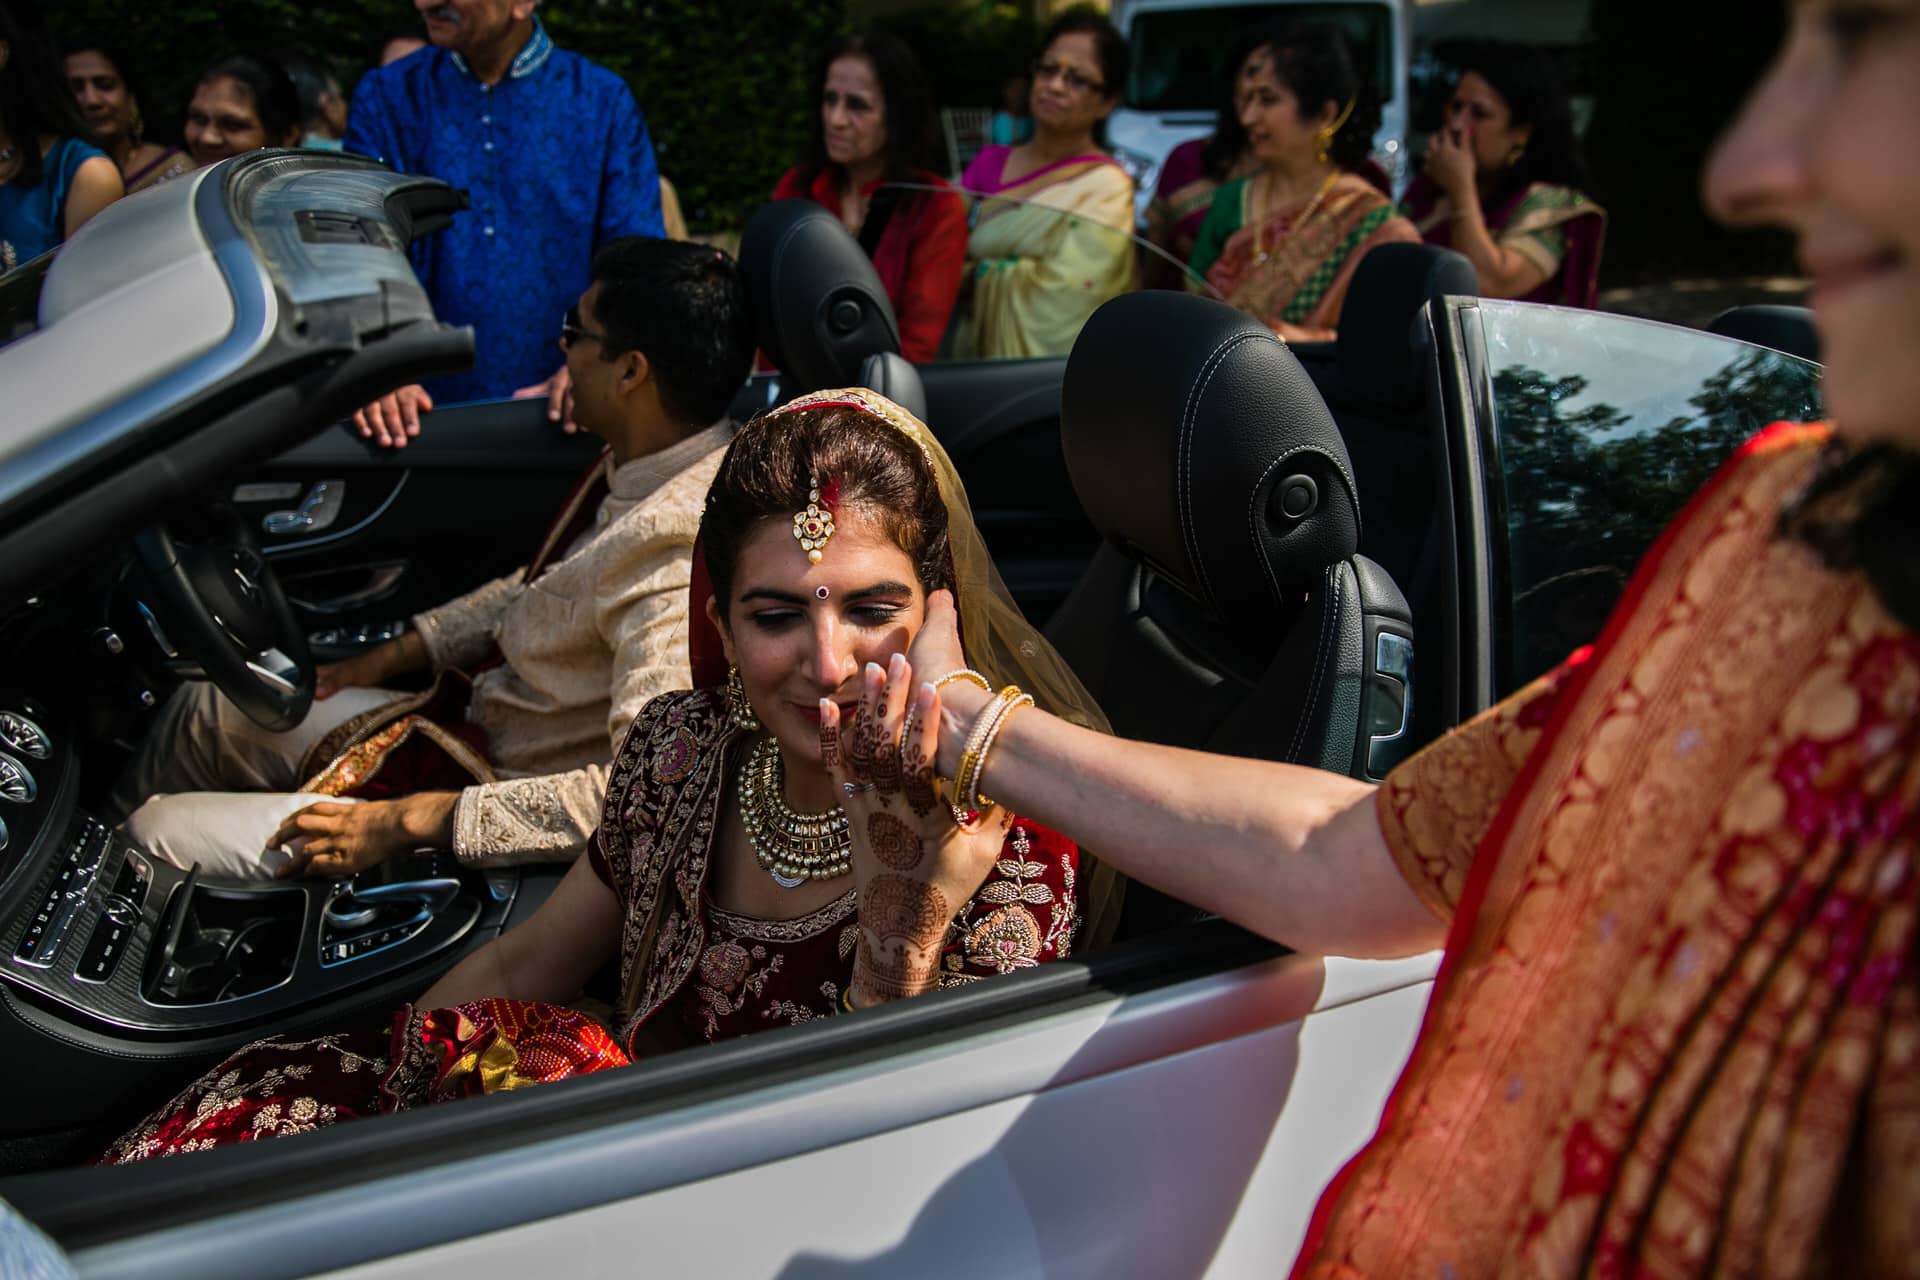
(363, 537)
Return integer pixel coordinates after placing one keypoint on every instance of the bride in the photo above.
(761, 860)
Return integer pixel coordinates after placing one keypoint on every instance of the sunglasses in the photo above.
(571, 332)
(1044, 71)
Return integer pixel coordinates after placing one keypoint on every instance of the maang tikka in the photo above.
(813, 528)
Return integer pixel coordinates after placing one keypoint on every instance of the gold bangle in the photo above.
(982, 725)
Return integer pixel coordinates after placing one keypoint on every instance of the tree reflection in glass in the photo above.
(1590, 484)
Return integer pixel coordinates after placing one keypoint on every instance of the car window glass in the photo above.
(1179, 55)
(1606, 425)
(1035, 274)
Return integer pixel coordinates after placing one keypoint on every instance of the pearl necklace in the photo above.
(1260, 251)
(791, 847)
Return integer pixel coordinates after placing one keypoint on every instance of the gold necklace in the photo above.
(1260, 251)
(791, 847)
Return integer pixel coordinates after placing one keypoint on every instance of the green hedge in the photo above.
(723, 86)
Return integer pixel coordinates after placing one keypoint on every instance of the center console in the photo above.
(98, 932)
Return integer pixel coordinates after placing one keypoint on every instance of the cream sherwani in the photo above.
(588, 642)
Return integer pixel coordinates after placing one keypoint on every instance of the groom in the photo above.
(579, 641)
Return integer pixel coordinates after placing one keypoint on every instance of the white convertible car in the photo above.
(1328, 556)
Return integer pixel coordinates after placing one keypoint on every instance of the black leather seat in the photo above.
(1783, 328)
(1227, 608)
(1378, 382)
(820, 312)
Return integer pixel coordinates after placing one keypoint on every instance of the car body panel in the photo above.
(1264, 1078)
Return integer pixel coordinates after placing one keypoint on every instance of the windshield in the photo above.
(1607, 425)
(1035, 273)
(1179, 55)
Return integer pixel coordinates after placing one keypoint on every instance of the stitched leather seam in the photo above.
(1184, 460)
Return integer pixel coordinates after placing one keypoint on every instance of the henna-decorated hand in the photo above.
(914, 867)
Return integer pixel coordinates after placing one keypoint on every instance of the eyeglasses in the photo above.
(1043, 71)
(571, 332)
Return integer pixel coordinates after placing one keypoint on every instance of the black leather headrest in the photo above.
(1197, 443)
(1766, 324)
(818, 305)
(1390, 286)
(895, 378)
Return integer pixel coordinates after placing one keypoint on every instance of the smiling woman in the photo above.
(241, 104)
(104, 86)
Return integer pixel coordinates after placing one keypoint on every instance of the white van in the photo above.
(1179, 51)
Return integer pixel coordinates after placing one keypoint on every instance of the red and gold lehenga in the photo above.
(689, 971)
(1677, 1029)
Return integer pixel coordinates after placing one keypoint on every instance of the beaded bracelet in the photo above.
(906, 722)
(964, 673)
(973, 760)
(970, 751)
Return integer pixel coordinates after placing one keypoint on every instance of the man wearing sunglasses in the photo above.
(564, 652)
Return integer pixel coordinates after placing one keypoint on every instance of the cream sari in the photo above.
(1044, 253)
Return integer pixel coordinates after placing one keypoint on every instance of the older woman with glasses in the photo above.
(1051, 236)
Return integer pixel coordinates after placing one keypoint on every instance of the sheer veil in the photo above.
(999, 641)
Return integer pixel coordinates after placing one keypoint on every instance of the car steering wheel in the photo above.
(218, 603)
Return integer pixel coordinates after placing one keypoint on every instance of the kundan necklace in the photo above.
(792, 847)
(1260, 251)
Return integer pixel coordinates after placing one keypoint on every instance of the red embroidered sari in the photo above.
(1677, 1031)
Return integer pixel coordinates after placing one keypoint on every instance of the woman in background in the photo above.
(863, 164)
(104, 85)
(52, 177)
(1054, 240)
(242, 103)
(1191, 175)
(1282, 243)
(1504, 179)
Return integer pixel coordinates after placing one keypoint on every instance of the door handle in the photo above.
(317, 511)
(381, 581)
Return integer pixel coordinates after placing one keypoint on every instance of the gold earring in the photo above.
(1513, 156)
(739, 710)
(1323, 145)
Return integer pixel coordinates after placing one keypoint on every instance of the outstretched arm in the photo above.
(1292, 853)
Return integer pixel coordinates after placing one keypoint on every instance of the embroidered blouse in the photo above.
(727, 974)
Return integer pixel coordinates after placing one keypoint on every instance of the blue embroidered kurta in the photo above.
(556, 161)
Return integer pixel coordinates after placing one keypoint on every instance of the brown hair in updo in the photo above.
(774, 460)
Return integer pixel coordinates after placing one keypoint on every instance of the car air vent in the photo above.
(16, 784)
(24, 736)
(322, 226)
